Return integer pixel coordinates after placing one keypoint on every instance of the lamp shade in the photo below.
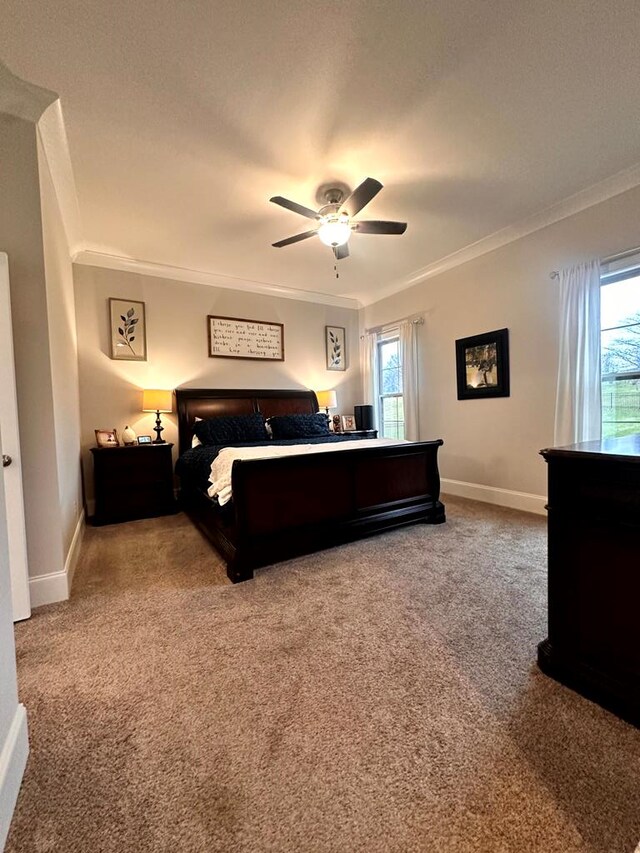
(157, 401)
(327, 399)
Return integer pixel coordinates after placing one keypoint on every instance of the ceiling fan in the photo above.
(334, 219)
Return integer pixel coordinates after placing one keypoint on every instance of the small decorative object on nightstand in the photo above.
(128, 436)
(157, 401)
(132, 482)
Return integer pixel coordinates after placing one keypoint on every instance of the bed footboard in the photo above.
(294, 505)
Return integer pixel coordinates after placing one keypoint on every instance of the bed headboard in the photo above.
(195, 403)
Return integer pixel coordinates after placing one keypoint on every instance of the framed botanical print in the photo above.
(482, 365)
(335, 344)
(128, 328)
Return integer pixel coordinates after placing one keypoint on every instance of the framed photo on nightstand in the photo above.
(348, 423)
(107, 437)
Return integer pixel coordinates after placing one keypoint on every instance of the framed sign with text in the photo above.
(233, 337)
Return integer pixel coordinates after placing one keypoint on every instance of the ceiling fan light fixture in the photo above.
(335, 231)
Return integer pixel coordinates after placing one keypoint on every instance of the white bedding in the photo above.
(221, 466)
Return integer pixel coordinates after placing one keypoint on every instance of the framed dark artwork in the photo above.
(482, 365)
(128, 330)
(336, 352)
(253, 340)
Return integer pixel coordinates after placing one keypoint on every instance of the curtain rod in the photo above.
(609, 259)
(416, 319)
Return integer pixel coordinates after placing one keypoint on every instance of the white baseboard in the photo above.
(13, 760)
(56, 586)
(74, 551)
(492, 495)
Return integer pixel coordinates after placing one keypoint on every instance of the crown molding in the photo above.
(42, 107)
(89, 257)
(595, 194)
(53, 136)
(22, 99)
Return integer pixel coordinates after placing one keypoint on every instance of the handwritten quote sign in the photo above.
(231, 337)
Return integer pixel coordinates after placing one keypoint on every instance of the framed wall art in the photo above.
(128, 329)
(255, 340)
(335, 343)
(482, 365)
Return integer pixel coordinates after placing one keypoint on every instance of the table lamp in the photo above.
(327, 400)
(157, 401)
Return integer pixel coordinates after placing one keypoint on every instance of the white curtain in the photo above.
(409, 360)
(578, 400)
(369, 362)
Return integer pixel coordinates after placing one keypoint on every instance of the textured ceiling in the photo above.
(183, 119)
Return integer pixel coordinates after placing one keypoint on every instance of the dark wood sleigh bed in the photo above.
(292, 505)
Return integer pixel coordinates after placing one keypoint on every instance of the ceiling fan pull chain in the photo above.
(335, 269)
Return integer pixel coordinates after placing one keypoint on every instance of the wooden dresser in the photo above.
(594, 572)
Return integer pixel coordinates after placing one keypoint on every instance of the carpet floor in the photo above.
(380, 696)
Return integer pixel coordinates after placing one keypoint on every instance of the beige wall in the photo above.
(495, 442)
(110, 391)
(63, 352)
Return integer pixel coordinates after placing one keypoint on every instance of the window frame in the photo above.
(387, 337)
(614, 277)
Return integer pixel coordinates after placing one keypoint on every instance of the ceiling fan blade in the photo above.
(379, 227)
(341, 251)
(295, 207)
(360, 196)
(295, 239)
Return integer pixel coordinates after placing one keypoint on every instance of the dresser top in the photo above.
(626, 448)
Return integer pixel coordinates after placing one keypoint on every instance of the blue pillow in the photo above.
(232, 428)
(299, 426)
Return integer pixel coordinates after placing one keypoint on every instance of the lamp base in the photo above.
(158, 428)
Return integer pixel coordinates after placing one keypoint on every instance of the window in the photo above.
(620, 346)
(391, 403)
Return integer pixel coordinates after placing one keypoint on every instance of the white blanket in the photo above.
(221, 466)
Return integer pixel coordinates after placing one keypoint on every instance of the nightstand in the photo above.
(132, 482)
(364, 433)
